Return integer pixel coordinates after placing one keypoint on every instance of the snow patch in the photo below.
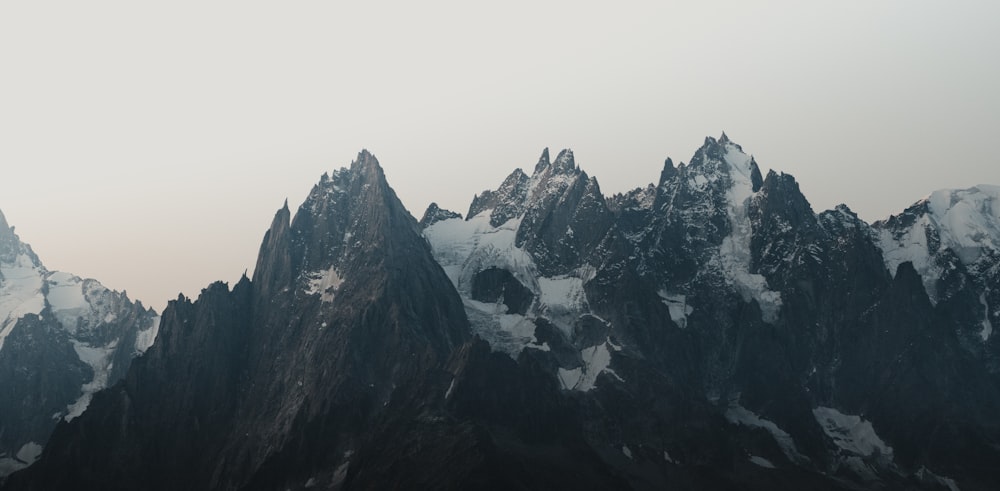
(742, 416)
(99, 359)
(569, 378)
(924, 474)
(596, 360)
(25, 456)
(465, 247)
(987, 325)
(852, 434)
(324, 283)
(734, 253)
(627, 451)
(145, 338)
(29, 453)
(20, 292)
(562, 298)
(761, 461)
(679, 309)
(67, 300)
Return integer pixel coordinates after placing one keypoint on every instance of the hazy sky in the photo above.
(148, 144)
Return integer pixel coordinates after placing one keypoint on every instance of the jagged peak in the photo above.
(565, 162)
(365, 163)
(435, 213)
(543, 161)
(668, 172)
(723, 139)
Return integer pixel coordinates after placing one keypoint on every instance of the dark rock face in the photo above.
(43, 377)
(709, 331)
(279, 380)
(495, 284)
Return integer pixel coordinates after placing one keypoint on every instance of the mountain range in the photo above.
(707, 331)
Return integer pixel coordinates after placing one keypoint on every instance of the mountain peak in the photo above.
(365, 162)
(543, 161)
(435, 213)
(723, 139)
(564, 162)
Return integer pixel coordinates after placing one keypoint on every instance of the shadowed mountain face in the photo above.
(710, 331)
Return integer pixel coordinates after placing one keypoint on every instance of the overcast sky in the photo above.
(148, 144)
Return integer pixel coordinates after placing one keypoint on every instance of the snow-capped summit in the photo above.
(62, 338)
(949, 225)
(952, 237)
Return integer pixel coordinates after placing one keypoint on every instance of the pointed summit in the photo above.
(9, 242)
(724, 139)
(564, 162)
(435, 213)
(365, 162)
(6, 231)
(543, 161)
(668, 172)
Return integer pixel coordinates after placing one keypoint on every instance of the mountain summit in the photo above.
(62, 338)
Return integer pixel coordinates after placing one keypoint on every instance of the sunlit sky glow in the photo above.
(148, 144)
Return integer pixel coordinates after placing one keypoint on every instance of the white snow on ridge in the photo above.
(967, 222)
(67, 299)
(99, 359)
(852, 434)
(324, 283)
(987, 325)
(464, 247)
(20, 292)
(596, 360)
(734, 253)
(761, 461)
(145, 338)
(678, 306)
(742, 416)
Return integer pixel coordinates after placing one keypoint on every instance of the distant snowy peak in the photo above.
(723, 158)
(964, 223)
(968, 220)
(22, 281)
(83, 307)
(62, 339)
(435, 213)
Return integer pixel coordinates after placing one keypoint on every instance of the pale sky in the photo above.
(148, 144)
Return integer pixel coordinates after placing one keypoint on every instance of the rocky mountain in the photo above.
(62, 338)
(951, 238)
(708, 331)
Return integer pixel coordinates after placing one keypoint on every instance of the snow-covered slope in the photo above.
(62, 338)
(493, 260)
(952, 237)
(965, 222)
